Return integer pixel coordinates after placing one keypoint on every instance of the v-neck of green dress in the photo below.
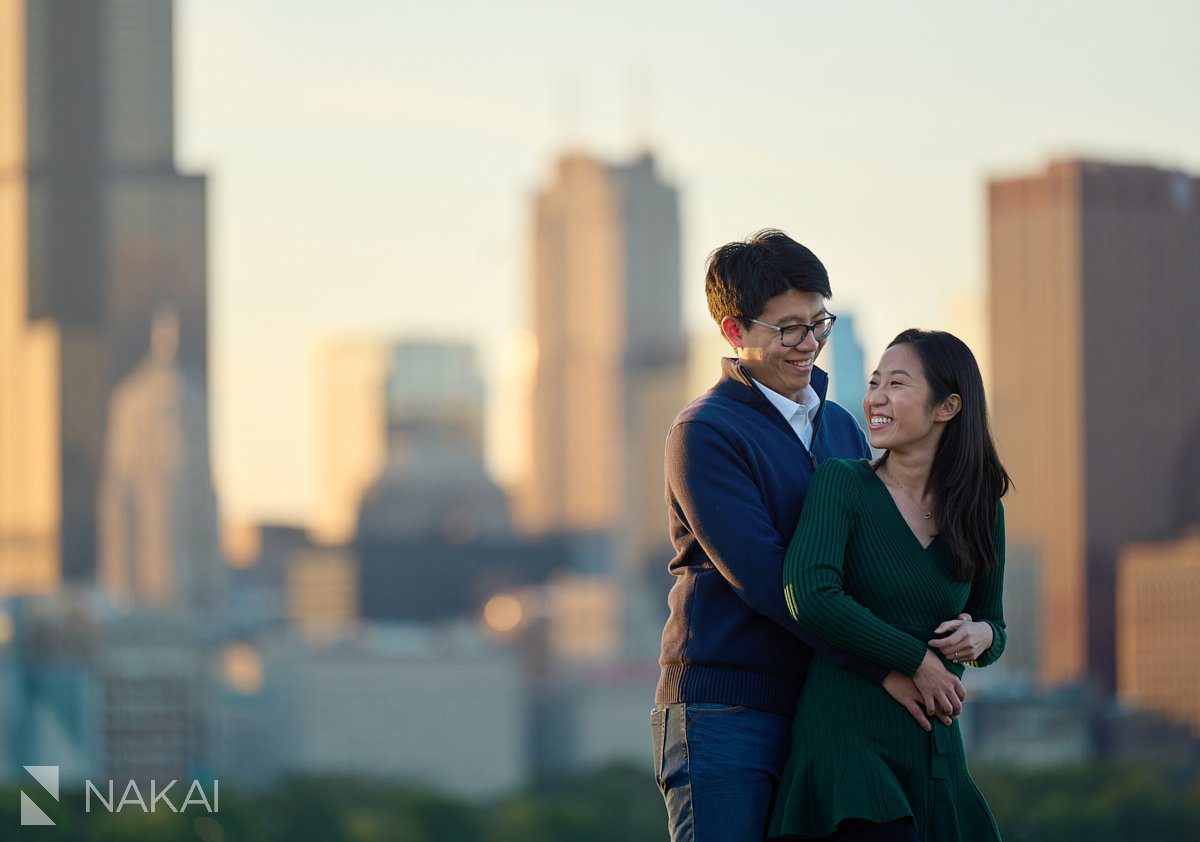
(891, 504)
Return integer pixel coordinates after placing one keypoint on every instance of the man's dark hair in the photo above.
(741, 276)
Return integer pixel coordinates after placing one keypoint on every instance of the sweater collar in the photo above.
(735, 383)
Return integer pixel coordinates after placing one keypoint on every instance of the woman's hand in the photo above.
(963, 639)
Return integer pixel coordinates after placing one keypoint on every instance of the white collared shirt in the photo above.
(798, 415)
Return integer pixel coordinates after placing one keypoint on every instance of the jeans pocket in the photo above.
(697, 709)
(658, 736)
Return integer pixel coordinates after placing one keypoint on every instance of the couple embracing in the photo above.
(825, 604)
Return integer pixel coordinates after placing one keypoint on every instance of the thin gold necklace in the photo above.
(928, 515)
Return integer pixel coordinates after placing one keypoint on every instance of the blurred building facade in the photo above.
(1094, 283)
(445, 709)
(1023, 614)
(433, 478)
(1019, 727)
(106, 694)
(402, 430)
(156, 708)
(322, 593)
(159, 544)
(611, 363)
(261, 556)
(415, 527)
(848, 374)
(594, 715)
(55, 710)
(98, 231)
(352, 412)
(705, 351)
(1158, 619)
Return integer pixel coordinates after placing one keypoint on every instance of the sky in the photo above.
(372, 165)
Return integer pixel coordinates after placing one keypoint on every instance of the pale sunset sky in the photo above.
(372, 163)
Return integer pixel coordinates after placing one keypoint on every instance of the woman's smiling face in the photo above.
(897, 401)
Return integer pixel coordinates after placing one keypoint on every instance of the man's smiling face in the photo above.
(783, 370)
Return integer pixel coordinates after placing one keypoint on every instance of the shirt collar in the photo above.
(809, 401)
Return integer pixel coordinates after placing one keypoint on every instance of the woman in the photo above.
(883, 553)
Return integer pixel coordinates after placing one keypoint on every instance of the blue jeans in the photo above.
(718, 767)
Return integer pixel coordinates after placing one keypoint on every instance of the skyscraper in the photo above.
(98, 231)
(611, 352)
(611, 373)
(1095, 295)
(352, 398)
(157, 513)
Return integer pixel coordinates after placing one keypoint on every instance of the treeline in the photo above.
(1099, 803)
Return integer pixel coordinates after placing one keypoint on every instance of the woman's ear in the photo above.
(948, 408)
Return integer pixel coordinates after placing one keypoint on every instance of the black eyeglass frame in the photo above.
(802, 327)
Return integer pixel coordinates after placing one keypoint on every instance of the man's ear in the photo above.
(733, 332)
(950, 407)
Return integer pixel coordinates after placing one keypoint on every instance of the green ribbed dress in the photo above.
(858, 577)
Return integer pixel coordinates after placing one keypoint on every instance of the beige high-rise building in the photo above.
(611, 368)
(98, 231)
(1094, 299)
(159, 544)
(352, 412)
(1158, 621)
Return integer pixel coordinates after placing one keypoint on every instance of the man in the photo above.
(739, 460)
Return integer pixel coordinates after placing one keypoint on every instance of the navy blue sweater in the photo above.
(736, 475)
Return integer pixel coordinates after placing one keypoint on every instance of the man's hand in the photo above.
(904, 690)
(940, 689)
(964, 640)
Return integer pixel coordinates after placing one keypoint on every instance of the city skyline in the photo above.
(353, 183)
(543, 310)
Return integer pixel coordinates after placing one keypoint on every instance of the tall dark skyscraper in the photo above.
(1095, 302)
(98, 231)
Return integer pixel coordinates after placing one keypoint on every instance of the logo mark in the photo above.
(32, 814)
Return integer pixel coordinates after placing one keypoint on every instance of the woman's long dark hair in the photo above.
(967, 479)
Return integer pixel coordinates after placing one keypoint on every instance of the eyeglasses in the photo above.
(793, 335)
